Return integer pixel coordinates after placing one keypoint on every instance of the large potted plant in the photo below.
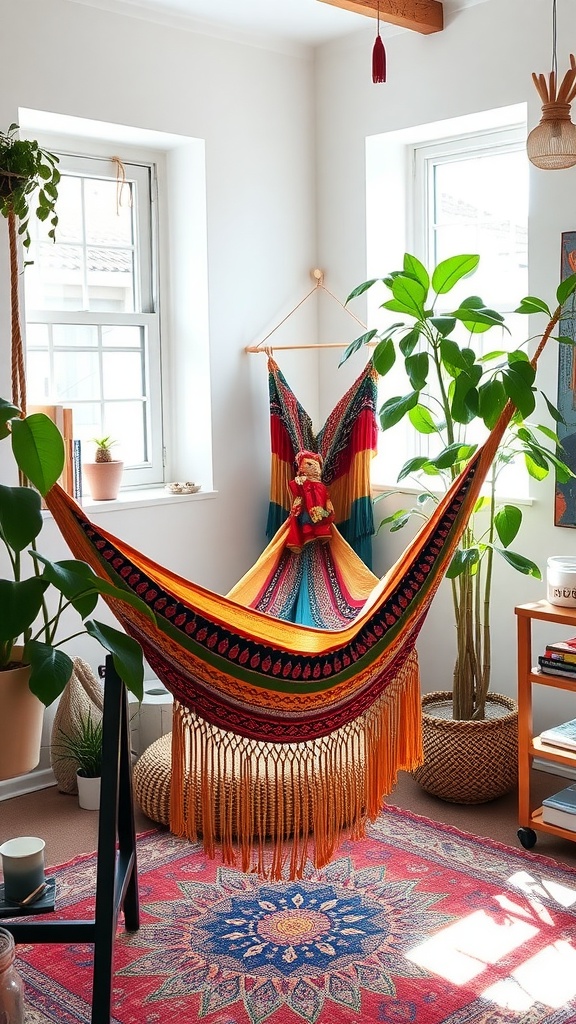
(34, 599)
(457, 389)
(29, 179)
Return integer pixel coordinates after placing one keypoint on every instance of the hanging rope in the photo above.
(319, 278)
(121, 183)
(18, 368)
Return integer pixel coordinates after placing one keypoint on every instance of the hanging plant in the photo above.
(28, 174)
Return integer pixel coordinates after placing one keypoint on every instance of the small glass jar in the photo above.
(11, 985)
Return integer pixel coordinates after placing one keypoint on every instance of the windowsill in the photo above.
(403, 488)
(147, 497)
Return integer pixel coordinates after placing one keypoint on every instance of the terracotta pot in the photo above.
(88, 792)
(103, 479)
(21, 718)
(469, 762)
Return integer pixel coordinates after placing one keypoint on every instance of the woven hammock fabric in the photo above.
(347, 443)
(353, 692)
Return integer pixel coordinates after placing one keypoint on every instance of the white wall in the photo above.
(482, 60)
(285, 172)
(254, 109)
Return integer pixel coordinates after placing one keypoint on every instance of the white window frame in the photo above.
(418, 153)
(84, 159)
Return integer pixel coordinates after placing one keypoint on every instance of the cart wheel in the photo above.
(527, 837)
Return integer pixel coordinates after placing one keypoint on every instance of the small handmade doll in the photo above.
(312, 512)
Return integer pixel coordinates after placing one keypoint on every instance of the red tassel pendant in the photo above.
(378, 56)
(378, 61)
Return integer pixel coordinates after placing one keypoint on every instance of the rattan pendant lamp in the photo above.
(552, 144)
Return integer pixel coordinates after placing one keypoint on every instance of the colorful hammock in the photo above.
(263, 698)
(269, 683)
(347, 443)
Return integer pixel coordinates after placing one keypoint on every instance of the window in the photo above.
(466, 194)
(92, 322)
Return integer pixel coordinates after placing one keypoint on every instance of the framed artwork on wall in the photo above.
(565, 494)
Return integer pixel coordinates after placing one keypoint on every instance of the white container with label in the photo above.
(561, 580)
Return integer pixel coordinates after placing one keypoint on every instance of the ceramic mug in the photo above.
(23, 866)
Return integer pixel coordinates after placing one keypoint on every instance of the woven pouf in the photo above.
(151, 779)
(152, 774)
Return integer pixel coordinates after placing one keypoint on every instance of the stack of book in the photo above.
(559, 659)
(563, 735)
(560, 809)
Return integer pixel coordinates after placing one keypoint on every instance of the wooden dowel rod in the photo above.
(331, 344)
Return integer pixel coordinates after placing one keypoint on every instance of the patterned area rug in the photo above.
(417, 922)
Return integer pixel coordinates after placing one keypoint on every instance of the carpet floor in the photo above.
(417, 922)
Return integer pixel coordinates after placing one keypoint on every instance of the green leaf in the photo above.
(361, 288)
(421, 419)
(443, 324)
(465, 400)
(8, 412)
(50, 670)
(463, 561)
(479, 320)
(507, 521)
(396, 408)
(20, 516)
(491, 401)
(384, 356)
(411, 294)
(125, 651)
(357, 344)
(412, 466)
(409, 342)
(565, 289)
(519, 562)
(452, 356)
(452, 454)
(415, 269)
(20, 603)
(518, 390)
(531, 304)
(450, 271)
(417, 367)
(75, 580)
(38, 449)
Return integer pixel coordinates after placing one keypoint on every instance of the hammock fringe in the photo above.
(272, 807)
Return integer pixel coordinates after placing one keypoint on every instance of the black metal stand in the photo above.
(116, 869)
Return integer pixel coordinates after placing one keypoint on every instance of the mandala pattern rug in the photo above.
(417, 922)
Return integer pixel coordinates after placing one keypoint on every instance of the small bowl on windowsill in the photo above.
(183, 488)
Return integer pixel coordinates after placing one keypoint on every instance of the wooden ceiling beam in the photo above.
(424, 16)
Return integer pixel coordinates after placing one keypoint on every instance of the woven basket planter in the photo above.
(468, 762)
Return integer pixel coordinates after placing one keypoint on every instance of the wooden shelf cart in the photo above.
(530, 746)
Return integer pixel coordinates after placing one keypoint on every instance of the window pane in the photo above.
(108, 211)
(122, 375)
(125, 422)
(37, 377)
(76, 375)
(110, 279)
(87, 425)
(480, 204)
(55, 279)
(124, 337)
(71, 335)
(70, 227)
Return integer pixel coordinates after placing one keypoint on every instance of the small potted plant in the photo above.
(33, 667)
(104, 475)
(83, 750)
